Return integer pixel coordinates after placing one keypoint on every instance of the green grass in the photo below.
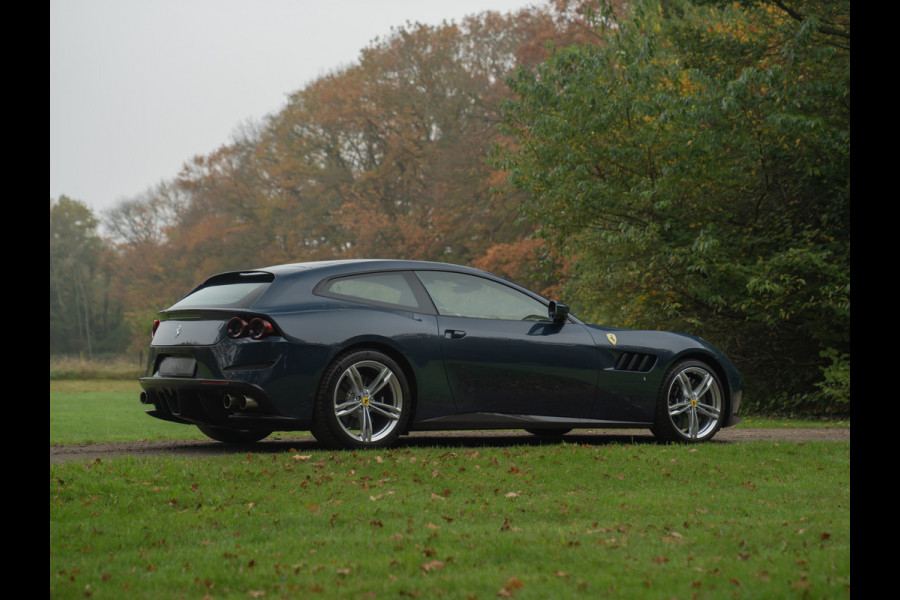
(95, 411)
(756, 422)
(755, 520)
(748, 520)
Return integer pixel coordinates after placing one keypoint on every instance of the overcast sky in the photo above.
(138, 87)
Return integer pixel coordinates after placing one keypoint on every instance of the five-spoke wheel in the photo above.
(364, 401)
(691, 404)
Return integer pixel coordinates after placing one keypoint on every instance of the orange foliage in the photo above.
(385, 158)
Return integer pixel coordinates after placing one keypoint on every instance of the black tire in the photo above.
(549, 432)
(363, 401)
(691, 405)
(233, 436)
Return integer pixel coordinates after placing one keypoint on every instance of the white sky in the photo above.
(139, 87)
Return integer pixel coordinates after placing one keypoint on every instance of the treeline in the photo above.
(669, 165)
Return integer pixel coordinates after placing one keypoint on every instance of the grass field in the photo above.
(749, 520)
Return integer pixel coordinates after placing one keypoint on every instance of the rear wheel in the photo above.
(363, 401)
(691, 404)
(233, 436)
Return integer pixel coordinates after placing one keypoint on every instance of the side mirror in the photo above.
(558, 311)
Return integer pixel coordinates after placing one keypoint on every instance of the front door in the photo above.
(504, 355)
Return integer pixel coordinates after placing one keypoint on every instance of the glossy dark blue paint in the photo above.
(463, 372)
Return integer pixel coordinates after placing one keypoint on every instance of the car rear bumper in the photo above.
(216, 402)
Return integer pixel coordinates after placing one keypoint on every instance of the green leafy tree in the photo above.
(696, 166)
(84, 319)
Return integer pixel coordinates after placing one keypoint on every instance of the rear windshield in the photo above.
(237, 293)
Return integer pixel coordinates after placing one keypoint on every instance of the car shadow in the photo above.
(500, 439)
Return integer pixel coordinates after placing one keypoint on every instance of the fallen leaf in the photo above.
(512, 586)
(433, 565)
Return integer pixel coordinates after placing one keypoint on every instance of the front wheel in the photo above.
(691, 404)
(233, 436)
(363, 401)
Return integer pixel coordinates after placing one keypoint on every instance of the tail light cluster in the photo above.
(237, 328)
(257, 328)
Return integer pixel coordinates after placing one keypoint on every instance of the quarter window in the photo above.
(378, 288)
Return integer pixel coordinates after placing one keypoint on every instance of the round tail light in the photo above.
(260, 328)
(236, 327)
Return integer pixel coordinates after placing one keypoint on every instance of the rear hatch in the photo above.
(200, 319)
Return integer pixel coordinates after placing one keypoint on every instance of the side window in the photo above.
(461, 295)
(379, 288)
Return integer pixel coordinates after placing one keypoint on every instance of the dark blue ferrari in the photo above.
(360, 352)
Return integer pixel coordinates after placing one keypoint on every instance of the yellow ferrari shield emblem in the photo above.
(612, 338)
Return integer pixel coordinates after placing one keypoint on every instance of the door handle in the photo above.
(454, 334)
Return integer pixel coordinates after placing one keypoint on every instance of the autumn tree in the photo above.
(386, 157)
(697, 169)
(144, 260)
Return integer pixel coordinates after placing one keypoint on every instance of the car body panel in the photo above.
(464, 372)
(519, 367)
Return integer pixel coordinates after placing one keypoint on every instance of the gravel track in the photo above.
(93, 452)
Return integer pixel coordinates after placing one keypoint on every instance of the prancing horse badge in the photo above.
(612, 338)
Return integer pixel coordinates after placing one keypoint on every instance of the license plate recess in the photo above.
(177, 366)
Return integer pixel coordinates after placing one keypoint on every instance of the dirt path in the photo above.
(91, 452)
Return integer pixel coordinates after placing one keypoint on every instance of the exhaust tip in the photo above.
(238, 402)
(144, 398)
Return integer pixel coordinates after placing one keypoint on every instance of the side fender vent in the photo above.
(635, 361)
